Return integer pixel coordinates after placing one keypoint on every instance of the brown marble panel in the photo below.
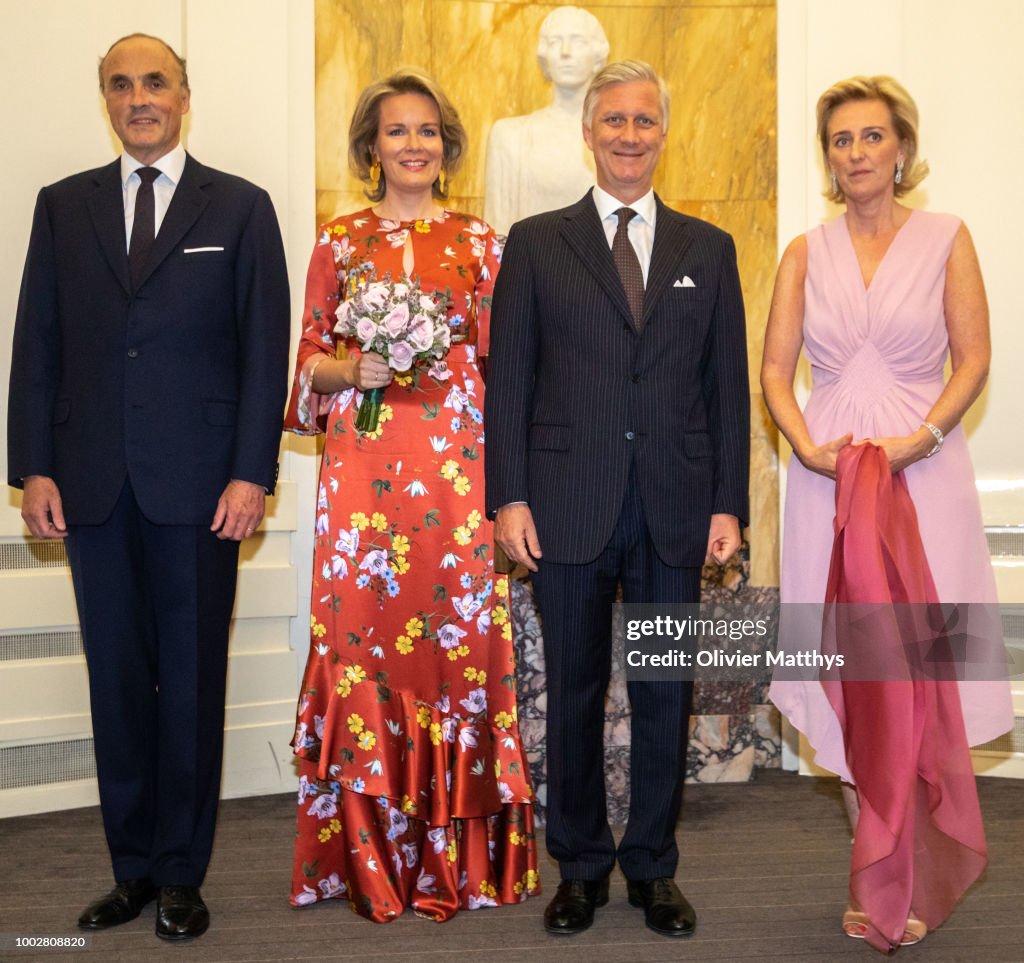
(720, 67)
(357, 43)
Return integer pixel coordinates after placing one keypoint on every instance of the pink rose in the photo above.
(397, 321)
(366, 330)
(427, 303)
(400, 356)
(373, 295)
(421, 333)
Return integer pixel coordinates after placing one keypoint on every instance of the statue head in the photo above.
(572, 47)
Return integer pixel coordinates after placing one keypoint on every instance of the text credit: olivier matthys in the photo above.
(716, 631)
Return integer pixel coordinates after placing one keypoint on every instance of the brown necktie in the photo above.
(143, 225)
(628, 264)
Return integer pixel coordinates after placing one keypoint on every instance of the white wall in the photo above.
(251, 70)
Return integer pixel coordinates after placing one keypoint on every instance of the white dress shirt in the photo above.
(641, 227)
(171, 167)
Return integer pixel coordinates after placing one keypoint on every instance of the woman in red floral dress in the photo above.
(415, 790)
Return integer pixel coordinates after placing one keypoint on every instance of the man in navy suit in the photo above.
(617, 422)
(147, 387)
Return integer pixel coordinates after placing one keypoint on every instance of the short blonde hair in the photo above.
(362, 132)
(625, 72)
(904, 119)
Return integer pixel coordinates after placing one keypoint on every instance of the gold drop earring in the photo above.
(374, 172)
(442, 179)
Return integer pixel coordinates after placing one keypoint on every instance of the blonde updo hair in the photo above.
(904, 119)
(362, 132)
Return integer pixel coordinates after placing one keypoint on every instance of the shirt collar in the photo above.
(172, 164)
(607, 205)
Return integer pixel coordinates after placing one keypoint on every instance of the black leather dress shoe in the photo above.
(572, 909)
(123, 903)
(181, 913)
(666, 910)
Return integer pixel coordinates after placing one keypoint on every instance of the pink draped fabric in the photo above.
(919, 841)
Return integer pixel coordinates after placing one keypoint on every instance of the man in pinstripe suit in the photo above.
(617, 424)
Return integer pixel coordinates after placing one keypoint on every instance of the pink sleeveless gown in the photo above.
(877, 357)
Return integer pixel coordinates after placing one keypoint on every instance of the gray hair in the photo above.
(625, 72)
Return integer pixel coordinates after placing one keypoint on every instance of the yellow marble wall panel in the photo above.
(357, 43)
(764, 495)
(720, 67)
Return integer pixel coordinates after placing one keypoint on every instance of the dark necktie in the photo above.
(628, 264)
(143, 225)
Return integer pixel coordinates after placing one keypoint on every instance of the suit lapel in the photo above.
(584, 233)
(671, 240)
(187, 204)
(106, 208)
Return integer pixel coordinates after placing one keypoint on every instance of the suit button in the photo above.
(630, 436)
(626, 328)
(636, 379)
(132, 353)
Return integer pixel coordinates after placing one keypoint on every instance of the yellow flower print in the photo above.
(499, 616)
(462, 485)
(344, 687)
(435, 733)
(379, 521)
(339, 229)
(503, 720)
(367, 740)
(423, 716)
(399, 544)
(356, 673)
(501, 587)
(532, 879)
(497, 768)
(399, 565)
(452, 655)
(463, 650)
(358, 520)
(514, 837)
(355, 723)
(450, 469)
(518, 888)
(481, 677)
(404, 644)
(335, 825)
(473, 520)
(422, 227)
(414, 627)
(318, 629)
(469, 673)
(506, 631)
(453, 852)
(403, 380)
(324, 834)
(462, 534)
(515, 713)
(487, 889)
(407, 805)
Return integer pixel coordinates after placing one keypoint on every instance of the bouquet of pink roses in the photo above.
(397, 321)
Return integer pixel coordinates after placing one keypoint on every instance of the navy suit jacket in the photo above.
(179, 386)
(577, 394)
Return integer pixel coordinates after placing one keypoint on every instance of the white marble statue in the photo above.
(538, 162)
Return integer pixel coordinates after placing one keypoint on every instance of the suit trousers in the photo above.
(154, 603)
(575, 604)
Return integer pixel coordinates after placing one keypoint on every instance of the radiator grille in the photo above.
(1005, 541)
(41, 645)
(46, 763)
(32, 553)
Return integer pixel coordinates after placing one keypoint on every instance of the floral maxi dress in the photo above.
(414, 788)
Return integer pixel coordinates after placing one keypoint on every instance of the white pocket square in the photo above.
(687, 282)
(200, 250)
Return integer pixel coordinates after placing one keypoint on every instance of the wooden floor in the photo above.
(764, 864)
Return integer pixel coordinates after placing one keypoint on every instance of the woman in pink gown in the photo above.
(877, 299)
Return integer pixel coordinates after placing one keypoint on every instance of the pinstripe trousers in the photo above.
(575, 604)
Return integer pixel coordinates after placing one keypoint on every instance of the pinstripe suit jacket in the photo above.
(577, 393)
